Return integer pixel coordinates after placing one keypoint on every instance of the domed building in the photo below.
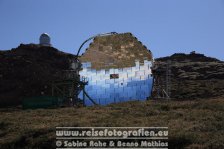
(45, 39)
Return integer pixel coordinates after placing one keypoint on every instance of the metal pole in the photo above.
(84, 95)
(103, 34)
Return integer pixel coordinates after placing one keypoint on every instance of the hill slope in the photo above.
(194, 75)
(192, 124)
(28, 70)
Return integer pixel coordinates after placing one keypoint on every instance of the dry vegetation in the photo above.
(192, 124)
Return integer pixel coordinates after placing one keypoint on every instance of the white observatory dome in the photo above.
(45, 39)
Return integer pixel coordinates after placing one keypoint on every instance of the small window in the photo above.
(114, 76)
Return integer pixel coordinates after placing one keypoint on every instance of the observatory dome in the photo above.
(45, 39)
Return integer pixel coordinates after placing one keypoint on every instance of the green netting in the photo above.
(41, 102)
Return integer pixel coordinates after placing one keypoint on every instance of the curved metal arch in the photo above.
(98, 35)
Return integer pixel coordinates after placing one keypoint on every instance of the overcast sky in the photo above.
(165, 27)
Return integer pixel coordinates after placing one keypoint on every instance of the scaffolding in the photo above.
(70, 87)
(161, 80)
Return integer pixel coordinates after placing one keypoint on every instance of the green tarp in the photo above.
(41, 102)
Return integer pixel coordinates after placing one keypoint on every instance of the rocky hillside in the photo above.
(194, 75)
(28, 70)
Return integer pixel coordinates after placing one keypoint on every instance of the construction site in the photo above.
(111, 74)
(115, 67)
(115, 82)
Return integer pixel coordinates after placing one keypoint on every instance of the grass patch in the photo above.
(192, 124)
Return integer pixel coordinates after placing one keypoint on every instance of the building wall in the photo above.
(133, 83)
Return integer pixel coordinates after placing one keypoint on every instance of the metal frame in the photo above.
(70, 86)
(161, 81)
